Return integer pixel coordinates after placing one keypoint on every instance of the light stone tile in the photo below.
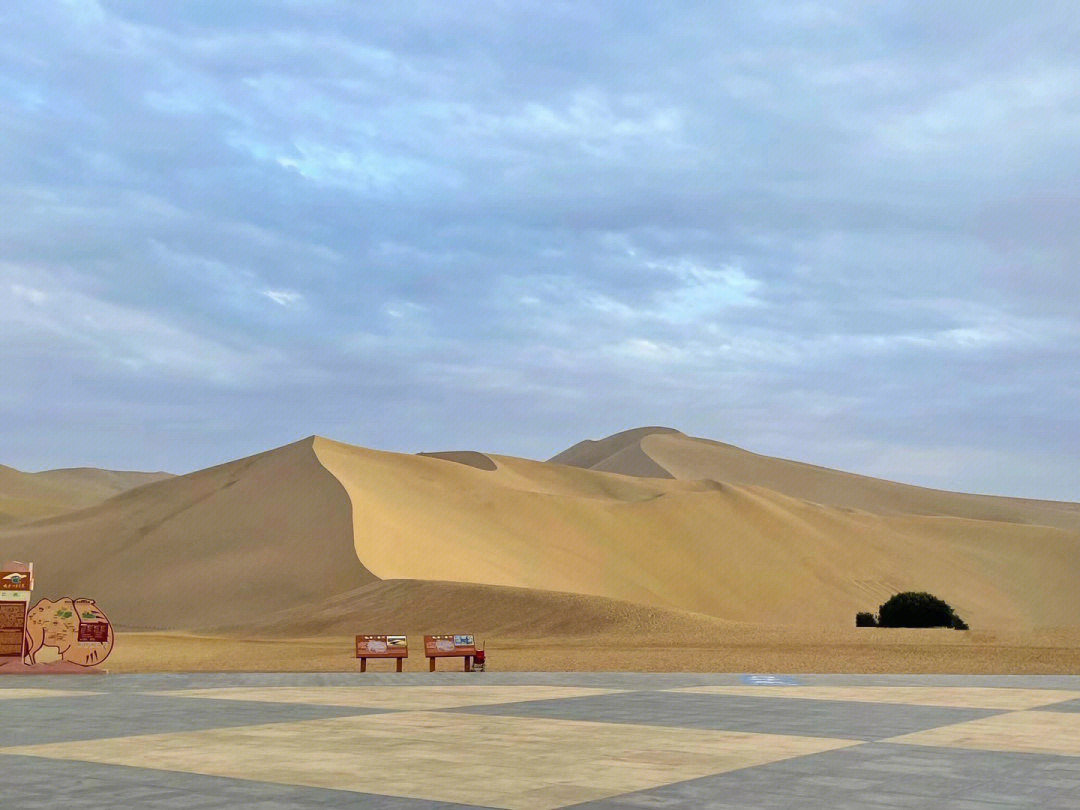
(17, 693)
(406, 698)
(953, 697)
(508, 762)
(1024, 732)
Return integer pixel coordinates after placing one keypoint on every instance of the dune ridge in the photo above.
(689, 458)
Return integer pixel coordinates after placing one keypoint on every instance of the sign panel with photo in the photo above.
(375, 646)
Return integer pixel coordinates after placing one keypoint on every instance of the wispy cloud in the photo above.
(285, 298)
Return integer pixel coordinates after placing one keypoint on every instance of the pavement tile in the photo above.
(41, 721)
(520, 763)
(812, 718)
(847, 779)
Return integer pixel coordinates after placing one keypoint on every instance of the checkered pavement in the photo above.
(539, 743)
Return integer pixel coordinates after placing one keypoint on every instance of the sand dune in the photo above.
(296, 540)
(31, 496)
(618, 453)
(687, 458)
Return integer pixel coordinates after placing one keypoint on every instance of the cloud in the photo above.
(285, 298)
(84, 328)
(836, 231)
(28, 294)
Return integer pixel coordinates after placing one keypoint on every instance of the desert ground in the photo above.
(747, 649)
(648, 550)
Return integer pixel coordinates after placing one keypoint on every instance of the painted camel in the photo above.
(56, 624)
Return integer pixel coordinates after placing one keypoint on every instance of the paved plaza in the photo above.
(539, 741)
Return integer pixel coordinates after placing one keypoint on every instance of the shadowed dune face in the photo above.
(470, 458)
(224, 545)
(296, 540)
(608, 454)
(419, 607)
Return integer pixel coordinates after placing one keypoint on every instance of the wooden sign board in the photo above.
(450, 646)
(16, 577)
(12, 629)
(16, 582)
(368, 646)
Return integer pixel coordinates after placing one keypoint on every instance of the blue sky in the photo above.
(842, 232)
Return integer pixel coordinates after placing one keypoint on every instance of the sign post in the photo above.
(381, 647)
(450, 646)
(16, 583)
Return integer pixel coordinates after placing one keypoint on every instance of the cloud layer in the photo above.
(835, 231)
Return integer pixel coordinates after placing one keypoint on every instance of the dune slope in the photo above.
(416, 607)
(224, 545)
(31, 496)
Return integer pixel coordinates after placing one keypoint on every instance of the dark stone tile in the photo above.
(1067, 706)
(876, 775)
(41, 784)
(807, 718)
(37, 721)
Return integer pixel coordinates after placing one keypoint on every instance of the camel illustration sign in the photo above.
(77, 629)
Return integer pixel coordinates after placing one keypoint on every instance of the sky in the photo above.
(841, 232)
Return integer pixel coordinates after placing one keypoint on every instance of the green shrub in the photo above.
(865, 620)
(916, 609)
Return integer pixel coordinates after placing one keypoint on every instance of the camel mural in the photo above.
(77, 628)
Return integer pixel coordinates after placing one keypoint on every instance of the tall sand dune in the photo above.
(318, 536)
(224, 545)
(736, 552)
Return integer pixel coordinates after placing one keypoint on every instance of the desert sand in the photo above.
(726, 559)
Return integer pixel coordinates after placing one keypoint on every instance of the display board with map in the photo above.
(375, 646)
(450, 646)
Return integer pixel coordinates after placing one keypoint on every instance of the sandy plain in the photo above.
(751, 649)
